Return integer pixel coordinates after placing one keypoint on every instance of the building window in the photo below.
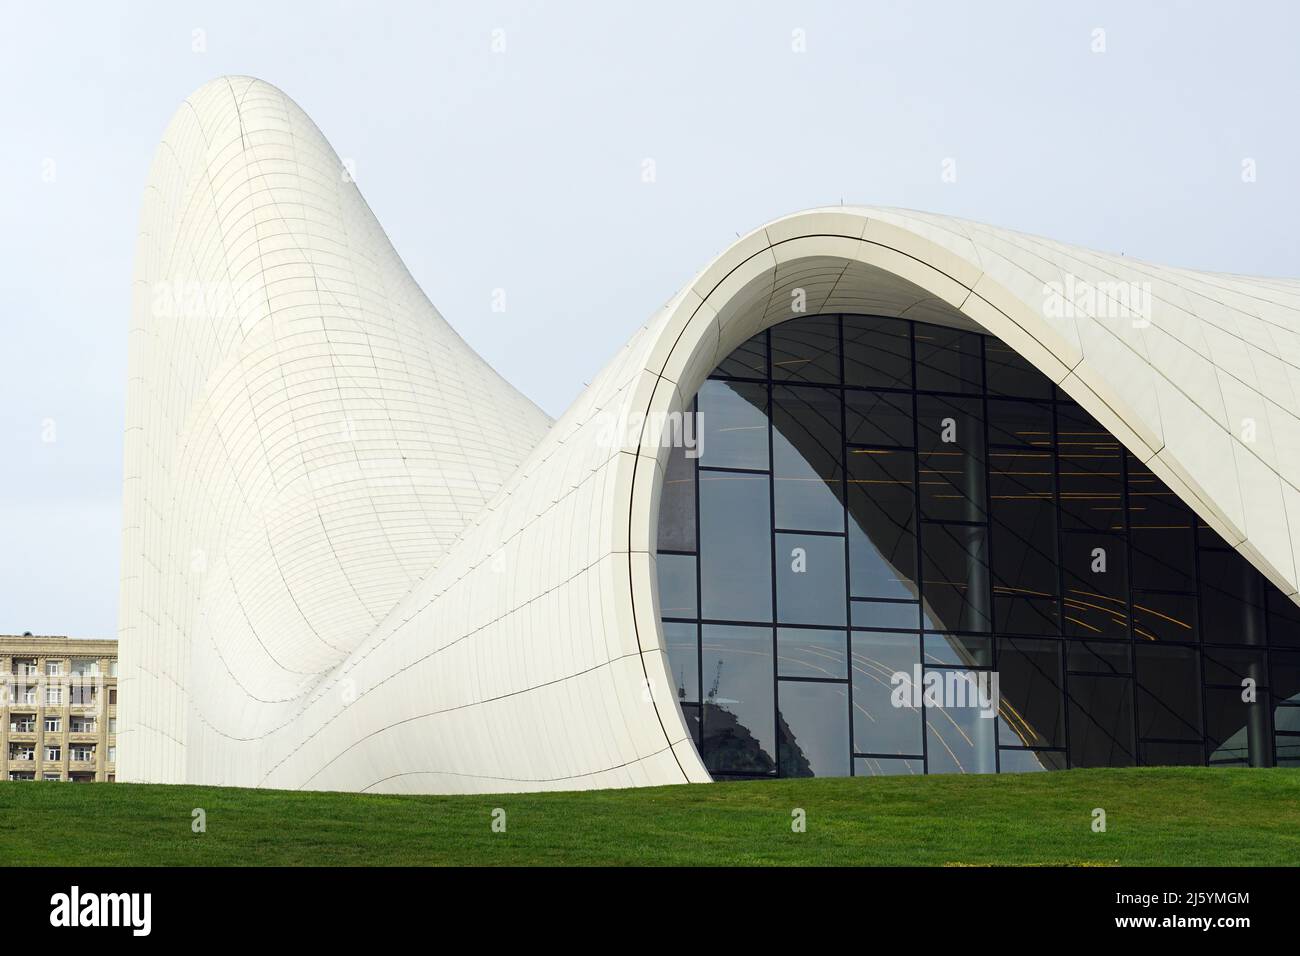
(112, 755)
(112, 725)
(53, 696)
(82, 725)
(52, 753)
(25, 668)
(112, 697)
(23, 724)
(51, 776)
(878, 496)
(112, 667)
(53, 668)
(85, 668)
(82, 753)
(23, 752)
(53, 725)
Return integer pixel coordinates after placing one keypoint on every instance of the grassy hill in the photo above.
(1154, 816)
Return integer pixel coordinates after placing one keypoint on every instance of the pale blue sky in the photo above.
(483, 165)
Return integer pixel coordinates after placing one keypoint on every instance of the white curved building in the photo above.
(355, 558)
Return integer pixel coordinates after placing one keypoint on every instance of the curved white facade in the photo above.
(355, 558)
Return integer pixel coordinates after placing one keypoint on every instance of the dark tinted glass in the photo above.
(1101, 721)
(878, 418)
(1032, 712)
(1096, 589)
(807, 350)
(877, 352)
(748, 361)
(1100, 657)
(1091, 470)
(1164, 617)
(948, 360)
(1230, 599)
(806, 450)
(954, 577)
(882, 524)
(1169, 692)
(958, 649)
(886, 767)
(1030, 761)
(951, 458)
(1009, 374)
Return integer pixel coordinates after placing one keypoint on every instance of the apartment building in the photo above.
(58, 709)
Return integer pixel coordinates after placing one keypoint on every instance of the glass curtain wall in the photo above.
(881, 506)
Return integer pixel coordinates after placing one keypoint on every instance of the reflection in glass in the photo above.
(806, 449)
(1091, 470)
(954, 577)
(676, 585)
(950, 458)
(739, 727)
(879, 727)
(735, 547)
(948, 360)
(877, 352)
(887, 614)
(1093, 568)
(1030, 761)
(683, 644)
(747, 361)
(886, 767)
(878, 418)
(811, 652)
(814, 728)
(807, 350)
(1101, 721)
(733, 425)
(1169, 692)
(677, 503)
(958, 738)
(1231, 600)
(882, 524)
(1032, 712)
(810, 579)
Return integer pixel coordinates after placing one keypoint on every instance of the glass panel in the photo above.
(879, 418)
(806, 450)
(948, 360)
(1032, 710)
(1237, 730)
(747, 361)
(885, 670)
(1285, 675)
(739, 722)
(810, 579)
(735, 547)
(958, 650)
(890, 614)
(1231, 610)
(877, 352)
(1096, 592)
(1020, 614)
(1030, 761)
(1101, 721)
(1163, 558)
(809, 652)
(1283, 620)
(676, 585)
(1229, 666)
(807, 350)
(959, 738)
(1164, 617)
(886, 767)
(1009, 374)
(951, 458)
(814, 727)
(954, 577)
(1020, 424)
(882, 524)
(1100, 657)
(677, 503)
(1169, 692)
(691, 712)
(683, 644)
(1023, 508)
(733, 425)
(1091, 484)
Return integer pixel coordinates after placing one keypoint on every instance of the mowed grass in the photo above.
(1154, 817)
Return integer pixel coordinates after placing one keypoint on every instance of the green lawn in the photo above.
(1157, 816)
